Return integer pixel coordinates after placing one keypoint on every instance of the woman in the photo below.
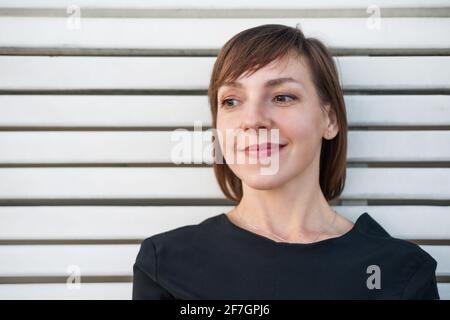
(282, 240)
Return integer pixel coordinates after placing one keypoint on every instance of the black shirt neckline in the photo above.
(360, 220)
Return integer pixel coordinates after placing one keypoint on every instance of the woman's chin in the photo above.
(261, 182)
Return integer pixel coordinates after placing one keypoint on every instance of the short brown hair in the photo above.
(254, 48)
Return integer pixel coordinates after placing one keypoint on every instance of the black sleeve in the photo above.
(145, 275)
(422, 284)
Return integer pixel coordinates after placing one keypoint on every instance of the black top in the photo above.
(217, 259)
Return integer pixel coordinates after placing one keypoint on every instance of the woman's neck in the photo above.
(296, 217)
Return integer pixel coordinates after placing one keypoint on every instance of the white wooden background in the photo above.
(86, 113)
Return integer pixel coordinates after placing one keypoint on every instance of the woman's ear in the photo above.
(331, 129)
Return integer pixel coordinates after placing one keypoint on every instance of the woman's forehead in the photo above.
(286, 71)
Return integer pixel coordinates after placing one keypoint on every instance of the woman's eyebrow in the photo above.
(268, 84)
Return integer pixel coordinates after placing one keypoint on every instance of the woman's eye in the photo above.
(284, 95)
(225, 103)
(228, 103)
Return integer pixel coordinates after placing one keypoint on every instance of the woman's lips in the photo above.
(264, 149)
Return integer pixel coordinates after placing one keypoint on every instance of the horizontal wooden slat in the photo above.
(174, 111)
(193, 73)
(442, 255)
(407, 222)
(54, 260)
(111, 111)
(170, 183)
(205, 4)
(398, 146)
(138, 222)
(444, 291)
(108, 183)
(57, 291)
(98, 291)
(398, 110)
(107, 260)
(154, 147)
(98, 222)
(212, 33)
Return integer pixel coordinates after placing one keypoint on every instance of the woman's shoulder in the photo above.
(186, 232)
(395, 253)
(405, 267)
(182, 237)
(376, 236)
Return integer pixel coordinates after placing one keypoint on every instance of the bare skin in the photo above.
(290, 203)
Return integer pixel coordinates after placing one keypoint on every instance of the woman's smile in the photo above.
(263, 150)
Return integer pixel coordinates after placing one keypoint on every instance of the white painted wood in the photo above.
(67, 260)
(98, 291)
(140, 183)
(138, 222)
(105, 147)
(61, 291)
(197, 4)
(160, 146)
(82, 222)
(398, 146)
(59, 73)
(398, 110)
(442, 255)
(107, 260)
(144, 183)
(444, 291)
(389, 73)
(212, 33)
(406, 221)
(98, 222)
(164, 111)
(397, 183)
(41, 27)
(110, 110)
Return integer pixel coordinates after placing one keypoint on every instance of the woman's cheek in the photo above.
(302, 135)
(295, 127)
(225, 135)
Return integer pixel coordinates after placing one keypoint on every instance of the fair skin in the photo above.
(289, 203)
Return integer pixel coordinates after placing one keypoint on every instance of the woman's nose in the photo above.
(256, 116)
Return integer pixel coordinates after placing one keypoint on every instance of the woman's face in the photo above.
(291, 108)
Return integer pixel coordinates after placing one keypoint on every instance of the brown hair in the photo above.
(254, 48)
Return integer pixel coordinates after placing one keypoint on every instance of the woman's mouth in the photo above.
(263, 149)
